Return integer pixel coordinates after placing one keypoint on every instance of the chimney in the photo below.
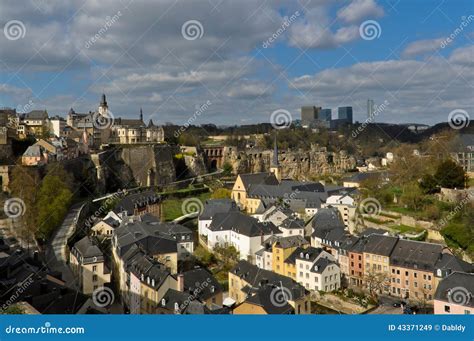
(180, 282)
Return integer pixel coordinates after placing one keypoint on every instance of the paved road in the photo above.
(57, 258)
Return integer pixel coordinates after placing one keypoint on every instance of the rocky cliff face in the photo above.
(140, 165)
(297, 164)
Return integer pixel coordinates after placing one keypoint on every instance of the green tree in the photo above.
(428, 184)
(412, 196)
(221, 193)
(58, 170)
(24, 185)
(227, 168)
(450, 175)
(54, 198)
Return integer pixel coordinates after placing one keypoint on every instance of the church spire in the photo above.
(275, 152)
(275, 166)
(103, 101)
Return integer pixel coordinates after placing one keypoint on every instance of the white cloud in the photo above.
(421, 47)
(358, 10)
(250, 90)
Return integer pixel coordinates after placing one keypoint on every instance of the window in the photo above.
(94, 268)
(94, 278)
(447, 309)
(406, 273)
(467, 312)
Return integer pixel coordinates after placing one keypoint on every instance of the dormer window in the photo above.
(163, 302)
(307, 256)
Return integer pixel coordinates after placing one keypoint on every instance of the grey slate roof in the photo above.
(328, 225)
(458, 288)
(213, 206)
(184, 302)
(201, 283)
(33, 151)
(242, 224)
(290, 241)
(154, 273)
(88, 250)
(257, 277)
(37, 115)
(257, 179)
(136, 200)
(292, 223)
(131, 123)
(449, 263)
(416, 255)
(263, 297)
(321, 264)
(147, 236)
(309, 254)
(380, 245)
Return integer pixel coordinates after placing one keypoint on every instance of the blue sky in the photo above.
(140, 57)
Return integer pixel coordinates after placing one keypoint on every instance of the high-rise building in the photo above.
(325, 115)
(370, 108)
(309, 115)
(345, 114)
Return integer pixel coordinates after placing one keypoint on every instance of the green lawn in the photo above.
(406, 229)
(374, 220)
(172, 207)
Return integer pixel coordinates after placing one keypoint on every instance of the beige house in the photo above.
(242, 185)
(149, 282)
(87, 264)
(376, 258)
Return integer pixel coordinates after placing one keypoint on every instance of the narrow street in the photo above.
(57, 258)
